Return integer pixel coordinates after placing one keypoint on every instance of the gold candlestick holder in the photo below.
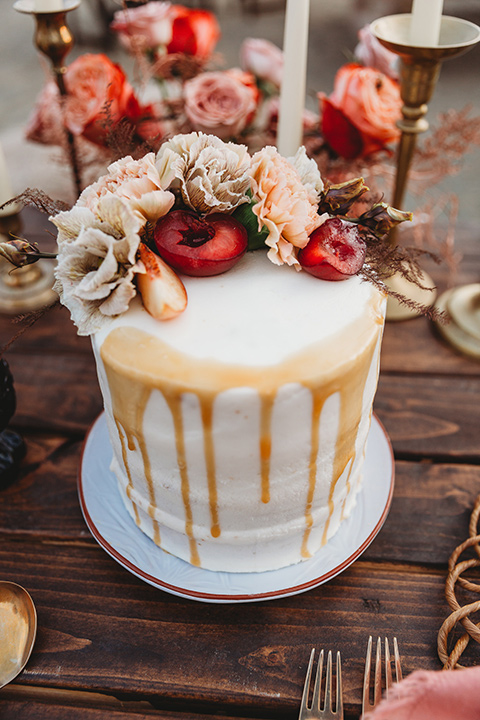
(420, 69)
(54, 39)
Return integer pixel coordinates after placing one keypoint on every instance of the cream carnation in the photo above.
(213, 176)
(283, 205)
(97, 261)
(135, 181)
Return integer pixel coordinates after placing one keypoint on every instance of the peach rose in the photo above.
(359, 117)
(219, 103)
(135, 181)
(283, 205)
(145, 27)
(263, 59)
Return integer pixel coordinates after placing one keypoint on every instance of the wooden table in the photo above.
(111, 646)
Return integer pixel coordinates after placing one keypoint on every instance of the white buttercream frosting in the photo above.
(238, 428)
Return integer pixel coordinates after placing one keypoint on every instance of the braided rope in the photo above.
(460, 614)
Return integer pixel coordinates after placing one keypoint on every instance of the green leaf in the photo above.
(256, 238)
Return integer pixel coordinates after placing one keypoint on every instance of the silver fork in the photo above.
(314, 712)
(367, 706)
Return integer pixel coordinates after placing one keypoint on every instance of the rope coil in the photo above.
(461, 613)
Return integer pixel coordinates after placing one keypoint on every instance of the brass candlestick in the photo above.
(420, 68)
(54, 39)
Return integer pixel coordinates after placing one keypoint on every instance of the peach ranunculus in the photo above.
(145, 27)
(135, 181)
(219, 103)
(194, 32)
(263, 59)
(283, 204)
(359, 117)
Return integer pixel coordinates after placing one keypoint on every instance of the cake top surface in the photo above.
(257, 313)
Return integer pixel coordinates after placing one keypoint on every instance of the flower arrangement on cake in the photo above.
(194, 208)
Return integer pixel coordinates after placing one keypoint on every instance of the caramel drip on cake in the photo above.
(129, 416)
(266, 409)
(174, 402)
(351, 387)
(207, 422)
(139, 361)
(129, 488)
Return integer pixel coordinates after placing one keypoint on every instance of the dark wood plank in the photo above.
(102, 629)
(429, 515)
(434, 419)
(36, 703)
(58, 393)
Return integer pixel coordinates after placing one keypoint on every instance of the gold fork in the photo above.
(366, 704)
(314, 712)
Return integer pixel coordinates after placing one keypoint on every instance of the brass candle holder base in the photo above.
(462, 305)
(420, 68)
(27, 288)
(426, 297)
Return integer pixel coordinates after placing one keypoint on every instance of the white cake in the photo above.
(238, 429)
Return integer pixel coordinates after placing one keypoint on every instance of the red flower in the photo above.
(194, 32)
(359, 118)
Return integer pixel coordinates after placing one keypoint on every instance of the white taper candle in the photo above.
(292, 94)
(425, 22)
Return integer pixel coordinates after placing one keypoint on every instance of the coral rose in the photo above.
(145, 27)
(219, 103)
(263, 59)
(359, 117)
(194, 32)
(284, 205)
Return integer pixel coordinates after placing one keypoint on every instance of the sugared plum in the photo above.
(335, 250)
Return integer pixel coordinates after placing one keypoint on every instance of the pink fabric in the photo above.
(429, 695)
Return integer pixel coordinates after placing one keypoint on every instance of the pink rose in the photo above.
(145, 27)
(371, 53)
(359, 117)
(219, 103)
(263, 59)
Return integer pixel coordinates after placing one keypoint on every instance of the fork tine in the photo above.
(317, 688)
(339, 703)
(306, 686)
(366, 677)
(328, 684)
(388, 668)
(377, 696)
(396, 654)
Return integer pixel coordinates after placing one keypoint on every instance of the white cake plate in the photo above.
(116, 532)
